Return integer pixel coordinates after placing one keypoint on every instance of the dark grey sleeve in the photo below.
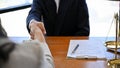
(34, 13)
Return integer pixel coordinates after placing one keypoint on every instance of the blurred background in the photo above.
(101, 14)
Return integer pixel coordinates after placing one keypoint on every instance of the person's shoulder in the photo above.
(31, 46)
(27, 52)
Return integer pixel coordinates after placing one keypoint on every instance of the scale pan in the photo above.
(112, 44)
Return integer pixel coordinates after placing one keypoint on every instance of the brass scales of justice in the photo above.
(115, 45)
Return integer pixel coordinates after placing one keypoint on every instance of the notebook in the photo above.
(87, 49)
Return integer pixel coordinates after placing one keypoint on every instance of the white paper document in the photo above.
(86, 49)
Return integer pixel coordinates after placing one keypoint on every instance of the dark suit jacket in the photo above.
(72, 18)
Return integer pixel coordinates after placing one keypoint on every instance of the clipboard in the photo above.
(88, 49)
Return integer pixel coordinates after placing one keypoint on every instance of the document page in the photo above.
(86, 49)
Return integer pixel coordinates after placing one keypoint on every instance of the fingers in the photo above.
(41, 26)
(36, 31)
(39, 35)
(31, 35)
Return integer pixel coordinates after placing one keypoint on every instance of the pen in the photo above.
(75, 48)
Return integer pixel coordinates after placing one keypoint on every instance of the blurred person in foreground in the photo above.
(28, 54)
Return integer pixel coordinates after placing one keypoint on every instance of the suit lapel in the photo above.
(62, 6)
(51, 5)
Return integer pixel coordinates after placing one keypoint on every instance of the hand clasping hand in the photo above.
(37, 30)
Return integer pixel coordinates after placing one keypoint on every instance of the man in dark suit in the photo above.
(60, 17)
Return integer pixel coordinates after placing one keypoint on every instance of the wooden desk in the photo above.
(59, 47)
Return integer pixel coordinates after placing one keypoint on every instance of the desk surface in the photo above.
(59, 48)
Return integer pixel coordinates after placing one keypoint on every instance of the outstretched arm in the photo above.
(36, 33)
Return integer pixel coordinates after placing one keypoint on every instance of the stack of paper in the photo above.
(87, 49)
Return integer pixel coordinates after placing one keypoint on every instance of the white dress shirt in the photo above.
(57, 4)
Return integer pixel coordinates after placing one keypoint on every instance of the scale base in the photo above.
(114, 63)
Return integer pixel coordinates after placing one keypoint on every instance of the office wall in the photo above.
(101, 16)
(15, 22)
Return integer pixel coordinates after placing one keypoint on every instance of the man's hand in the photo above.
(37, 30)
(39, 24)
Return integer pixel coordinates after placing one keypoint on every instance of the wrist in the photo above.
(31, 22)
